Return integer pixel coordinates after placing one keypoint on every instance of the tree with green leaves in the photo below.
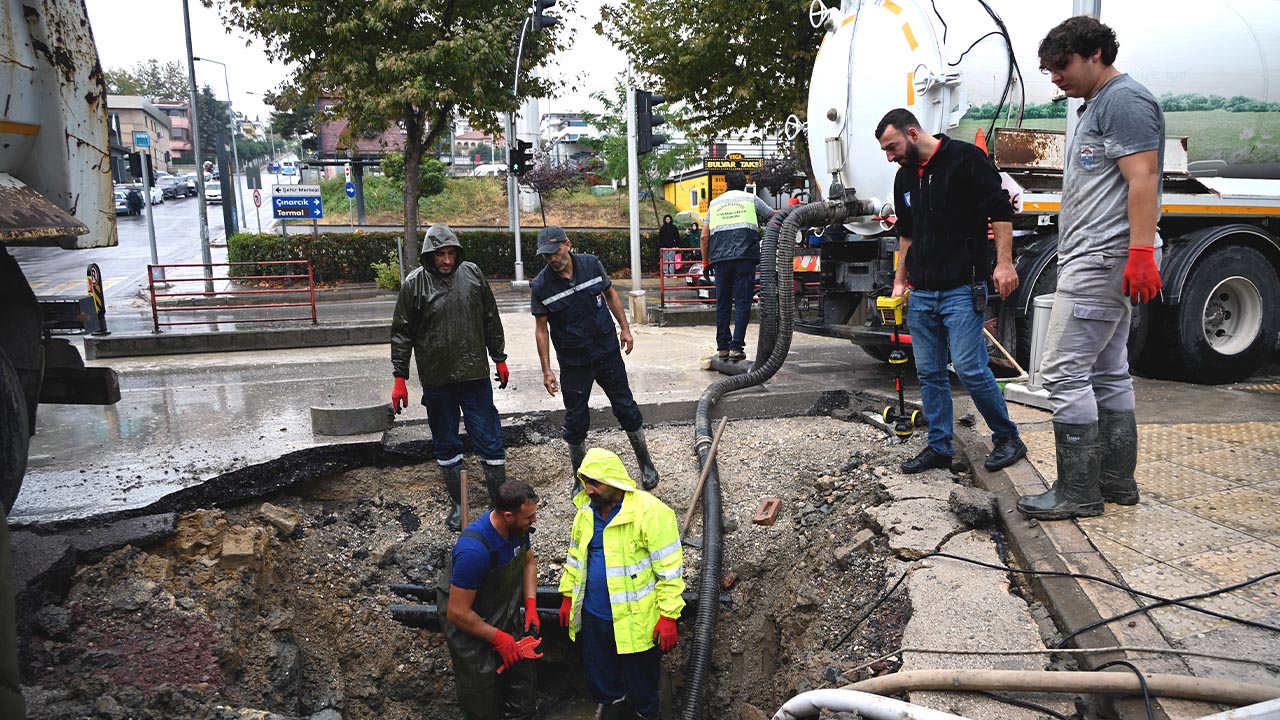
(611, 146)
(215, 119)
(431, 176)
(150, 79)
(737, 67)
(294, 118)
(416, 63)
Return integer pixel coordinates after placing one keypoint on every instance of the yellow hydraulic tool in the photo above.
(891, 311)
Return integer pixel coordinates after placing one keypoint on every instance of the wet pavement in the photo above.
(1209, 467)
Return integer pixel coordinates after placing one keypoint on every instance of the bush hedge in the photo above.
(338, 257)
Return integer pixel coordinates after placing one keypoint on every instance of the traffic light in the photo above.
(136, 159)
(646, 121)
(541, 20)
(520, 158)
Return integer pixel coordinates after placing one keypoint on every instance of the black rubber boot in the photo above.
(453, 484)
(576, 455)
(494, 476)
(648, 473)
(617, 711)
(1076, 492)
(1118, 433)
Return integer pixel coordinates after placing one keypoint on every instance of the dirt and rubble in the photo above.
(280, 604)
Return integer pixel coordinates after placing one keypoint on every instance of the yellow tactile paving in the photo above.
(1235, 433)
(1162, 532)
(1156, 442)
(1272, 487)
(1239, 464)
(1121, 557)
(1164, 480)
(1176, 622)
(1236, 564)
(1255, 512)
(1271, 446)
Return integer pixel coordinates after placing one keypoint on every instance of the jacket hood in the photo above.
(439, 236)
(607, 468)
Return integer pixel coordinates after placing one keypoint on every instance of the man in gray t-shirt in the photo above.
(1106, 260)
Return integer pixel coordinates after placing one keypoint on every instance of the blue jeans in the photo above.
(943, 321)
(472, 402)
(611, 676)
(735, 286)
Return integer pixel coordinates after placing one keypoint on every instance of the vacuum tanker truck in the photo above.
(969, 65)
(55, 190)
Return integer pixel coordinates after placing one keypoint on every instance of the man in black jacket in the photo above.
(945, 193)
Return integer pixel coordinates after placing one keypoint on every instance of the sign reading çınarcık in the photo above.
(296, 202)
(733, 161)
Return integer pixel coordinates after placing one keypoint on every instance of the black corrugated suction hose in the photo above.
(777, 313)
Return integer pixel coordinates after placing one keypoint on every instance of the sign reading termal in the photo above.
(296, 202)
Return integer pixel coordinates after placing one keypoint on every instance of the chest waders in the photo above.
(483, 694)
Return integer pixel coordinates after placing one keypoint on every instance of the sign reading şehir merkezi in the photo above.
(733, 161)
(296, 202)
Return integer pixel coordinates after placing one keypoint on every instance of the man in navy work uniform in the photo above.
(575, 305)
(731, 247)
(491, 597)
(447, 317)
(945, 192)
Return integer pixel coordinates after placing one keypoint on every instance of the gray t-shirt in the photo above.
(1122, 119)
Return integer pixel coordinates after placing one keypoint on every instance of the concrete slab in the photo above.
(352, 420)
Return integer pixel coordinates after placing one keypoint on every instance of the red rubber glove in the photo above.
(1141, 276)
(506, 647)
(531, 619)
(665, 634)
(503, 375)
(566, 606)
(399, 395)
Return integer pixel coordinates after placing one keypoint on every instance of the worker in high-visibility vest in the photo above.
(622, 585)
(731, 250)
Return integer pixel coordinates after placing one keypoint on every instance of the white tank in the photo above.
(881, 54)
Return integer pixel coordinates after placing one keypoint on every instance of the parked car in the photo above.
(172, 186)
(193, 183)
(122, 201)
(213, 192)
(155, 194)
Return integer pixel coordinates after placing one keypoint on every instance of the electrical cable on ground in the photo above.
(1162, 601)
(1142, 680)
(1023, 704)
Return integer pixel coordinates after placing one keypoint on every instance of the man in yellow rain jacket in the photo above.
(623, 577)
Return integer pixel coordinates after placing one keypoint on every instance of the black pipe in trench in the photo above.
(777, 313)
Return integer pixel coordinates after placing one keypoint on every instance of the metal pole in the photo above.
(513, 201)
(235, 154)
(1092, 8)
(205, 254)
(151, 225)
(638, 313)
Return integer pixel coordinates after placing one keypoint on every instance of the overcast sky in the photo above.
(129, 33)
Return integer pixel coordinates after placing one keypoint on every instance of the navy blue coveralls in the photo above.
(586, 344)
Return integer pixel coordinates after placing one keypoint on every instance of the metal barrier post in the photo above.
(151, 286)
(663, 256)
(311, 286)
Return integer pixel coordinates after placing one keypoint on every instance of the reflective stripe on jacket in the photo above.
(644, 563)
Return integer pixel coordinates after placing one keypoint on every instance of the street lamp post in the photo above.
(231, 126)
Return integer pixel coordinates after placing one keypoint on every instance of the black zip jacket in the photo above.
(945, 212)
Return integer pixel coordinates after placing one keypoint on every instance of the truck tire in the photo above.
(1227, 321)
(15, 433)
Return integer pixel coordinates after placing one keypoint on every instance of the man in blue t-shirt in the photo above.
(575, 305)
(491, 576)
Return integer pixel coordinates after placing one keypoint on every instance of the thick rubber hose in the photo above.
(768, 269)
(1110, 683)
(779, 254)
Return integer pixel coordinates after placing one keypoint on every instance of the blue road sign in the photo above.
(141, 139)
(297, 207)
(351, 189)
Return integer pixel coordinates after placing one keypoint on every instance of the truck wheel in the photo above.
(1228, 319)
(15, 433)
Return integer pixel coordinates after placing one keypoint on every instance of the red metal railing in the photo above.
(156, 309)
(677, 285)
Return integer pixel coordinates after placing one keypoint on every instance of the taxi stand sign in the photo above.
(296, 202)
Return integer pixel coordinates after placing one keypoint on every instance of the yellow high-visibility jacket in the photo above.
(643, 559)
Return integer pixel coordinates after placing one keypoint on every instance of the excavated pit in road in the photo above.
(278, 600)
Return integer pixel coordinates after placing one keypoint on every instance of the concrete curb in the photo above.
(352, 421)
(1062, 547)
(238, 340)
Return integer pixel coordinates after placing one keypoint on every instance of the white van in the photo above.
(489, 170)
(288, 167)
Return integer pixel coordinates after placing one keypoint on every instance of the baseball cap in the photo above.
(550, 239)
